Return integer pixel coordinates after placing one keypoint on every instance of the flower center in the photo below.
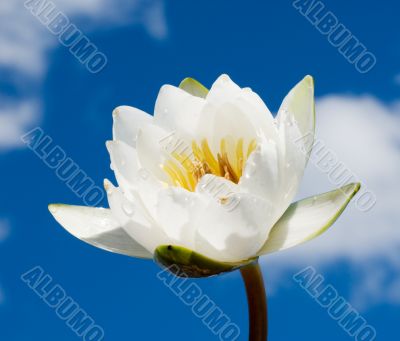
(186, 167)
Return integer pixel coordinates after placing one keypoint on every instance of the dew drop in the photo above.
(128, 208)
(111, 166)
(105, 223)
(250, 170)
(284, 111)
(143, 174)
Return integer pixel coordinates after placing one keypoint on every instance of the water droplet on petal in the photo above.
(105, 223)
(111, 166)
(250, 169)
(128, 208)
(143, 174)
(53, 209)
(203, 186)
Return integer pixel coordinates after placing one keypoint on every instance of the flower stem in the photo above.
(257, 302)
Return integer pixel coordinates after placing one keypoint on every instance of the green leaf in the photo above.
(194, 87)
(184, 262)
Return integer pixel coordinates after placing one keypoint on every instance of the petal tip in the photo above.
(309, 80)
(53, 208)
(115, 112)
(107, 185)
(352, 189)
(166, 88)
(187, 80)
(224, 78)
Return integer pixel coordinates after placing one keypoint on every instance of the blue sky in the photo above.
(268, 46)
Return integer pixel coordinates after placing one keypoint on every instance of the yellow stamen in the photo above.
(239, 156)
(198, 154)
(252, 146)
(185, 169)
(178, 176)
(188, 166)
(208, 157)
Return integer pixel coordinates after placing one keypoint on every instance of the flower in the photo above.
(211, 176)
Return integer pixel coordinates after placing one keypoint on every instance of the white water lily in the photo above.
(213, 172)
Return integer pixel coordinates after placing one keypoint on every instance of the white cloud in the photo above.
(23, 40)
(364, 134)
(25, 44)
(15, 119)
(148, 13)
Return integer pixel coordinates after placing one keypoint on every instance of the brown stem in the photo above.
(257, 302)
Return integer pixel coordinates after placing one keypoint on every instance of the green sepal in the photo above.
(183, 262)
(194, 87)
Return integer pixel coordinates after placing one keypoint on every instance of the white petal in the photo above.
(298, 111)
(296, 123)
(131, 177)
(134, 218)
(124, 161)
(98, 227)
(127, 121)
(224, 120)
(217, 188)
(177, 212)
(234, 229)
(308, 218)
(253, 109)
(152, 145)
(222, 89)
(178, 111)
(262, 176)
(258, 112)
